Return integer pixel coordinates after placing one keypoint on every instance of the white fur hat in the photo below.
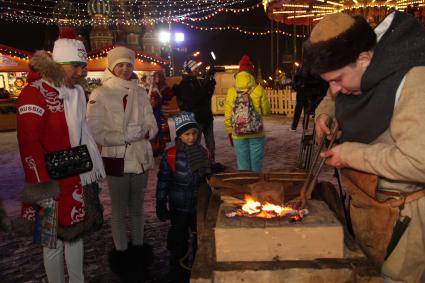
(118, 55)
(69, 51)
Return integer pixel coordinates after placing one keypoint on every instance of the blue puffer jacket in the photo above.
(179, 188)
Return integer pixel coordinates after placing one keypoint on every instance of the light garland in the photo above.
(135, 13)
(15, 53)
(141, 56)
(238, 29)
(224, 10)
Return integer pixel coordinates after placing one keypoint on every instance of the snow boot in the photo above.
(141, 258)
(119, 262)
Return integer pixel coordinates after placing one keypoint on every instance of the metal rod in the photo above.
(322, 162)
(309, 184)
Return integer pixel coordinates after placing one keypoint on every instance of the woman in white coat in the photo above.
(120, 117)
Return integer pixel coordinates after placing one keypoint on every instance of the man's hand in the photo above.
(322, 128)
(334, 157)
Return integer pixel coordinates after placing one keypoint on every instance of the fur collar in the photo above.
(42, 63)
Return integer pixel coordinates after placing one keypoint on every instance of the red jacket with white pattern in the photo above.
(42, 128)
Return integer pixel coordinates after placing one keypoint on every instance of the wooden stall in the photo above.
(13, 73)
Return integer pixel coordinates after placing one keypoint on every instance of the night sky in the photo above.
(229, 46)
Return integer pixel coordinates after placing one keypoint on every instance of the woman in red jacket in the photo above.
(51, 117)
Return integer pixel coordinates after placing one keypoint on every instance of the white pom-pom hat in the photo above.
(68, 50)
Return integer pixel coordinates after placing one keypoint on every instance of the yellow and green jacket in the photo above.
(245, 81)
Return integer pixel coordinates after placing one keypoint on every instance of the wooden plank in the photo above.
(204, 262)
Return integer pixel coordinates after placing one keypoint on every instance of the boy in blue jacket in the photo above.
(183, 169)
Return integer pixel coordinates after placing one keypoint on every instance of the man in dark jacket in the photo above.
(310, 91)
(194, 95)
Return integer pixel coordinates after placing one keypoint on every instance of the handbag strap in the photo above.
(125, 150)
(81, 133)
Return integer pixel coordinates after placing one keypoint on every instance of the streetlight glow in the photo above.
(164, 37)
(179, 37)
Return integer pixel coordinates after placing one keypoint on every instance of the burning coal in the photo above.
(253, 208)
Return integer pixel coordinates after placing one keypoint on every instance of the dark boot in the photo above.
(178, 274)
(118, 262)
(141, 258)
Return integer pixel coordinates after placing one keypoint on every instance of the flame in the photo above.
(251, 206)
(265, 210)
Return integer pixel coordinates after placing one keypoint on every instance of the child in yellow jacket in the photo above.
(249, 148)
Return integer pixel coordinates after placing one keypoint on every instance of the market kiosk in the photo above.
(13, 75)
(14, 69)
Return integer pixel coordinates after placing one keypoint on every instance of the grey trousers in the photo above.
(127, 196)
(54, 262)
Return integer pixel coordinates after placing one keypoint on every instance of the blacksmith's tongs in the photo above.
(310, 182)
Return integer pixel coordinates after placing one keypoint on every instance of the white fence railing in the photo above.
(282, 101)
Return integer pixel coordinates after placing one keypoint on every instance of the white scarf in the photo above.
(75, 111)
(131, 114)
(143, 148)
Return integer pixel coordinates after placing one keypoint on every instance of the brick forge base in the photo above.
(293, 275)
(354, 267)
(318, 236)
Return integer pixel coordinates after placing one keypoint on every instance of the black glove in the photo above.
(162, 211)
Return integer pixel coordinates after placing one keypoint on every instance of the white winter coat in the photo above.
(108, 120)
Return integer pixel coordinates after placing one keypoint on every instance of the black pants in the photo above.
(208, 130)
(182, 224)
(301, 103)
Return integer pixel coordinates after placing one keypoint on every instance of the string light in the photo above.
(238, 29)
(102, 52)
(15, 53)
(76, 13)
(225, 10)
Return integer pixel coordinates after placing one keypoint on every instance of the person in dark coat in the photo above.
(183, 169)
(194, 95)
(310, 91)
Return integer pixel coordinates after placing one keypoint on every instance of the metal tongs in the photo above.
(310, 182)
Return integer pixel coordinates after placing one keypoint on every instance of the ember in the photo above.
(253, 208)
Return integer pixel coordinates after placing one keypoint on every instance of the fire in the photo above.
(266, 210)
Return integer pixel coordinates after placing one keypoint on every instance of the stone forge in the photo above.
(318, 235)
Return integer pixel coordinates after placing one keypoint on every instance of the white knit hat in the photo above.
(120, 55)
(69, 51)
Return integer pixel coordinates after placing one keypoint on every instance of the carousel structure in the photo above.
(308, 12)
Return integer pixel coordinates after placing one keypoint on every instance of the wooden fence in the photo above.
(282, 101)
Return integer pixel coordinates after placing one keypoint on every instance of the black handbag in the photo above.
(114, 166)
(69, 162)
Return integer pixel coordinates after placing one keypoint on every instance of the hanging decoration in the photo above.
(79, 13)
(238, 29)
(15, 53)
(224, 10)
(102, 52)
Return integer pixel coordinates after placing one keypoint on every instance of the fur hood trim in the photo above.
(339, 51)
(43, 63)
